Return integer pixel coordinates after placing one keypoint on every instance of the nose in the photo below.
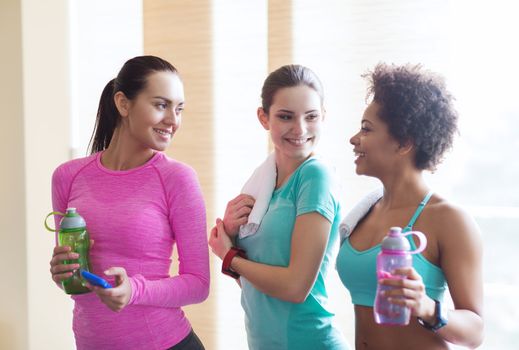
(354, 140)
(172, 118)
(300, 127)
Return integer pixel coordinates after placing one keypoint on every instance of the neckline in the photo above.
(277, 190)
(101, 167)
(365, 251)
(408, 227)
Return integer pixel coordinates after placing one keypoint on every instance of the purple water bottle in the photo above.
(395, 253)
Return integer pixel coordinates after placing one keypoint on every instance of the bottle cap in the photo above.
(395, 241)
(72, 220)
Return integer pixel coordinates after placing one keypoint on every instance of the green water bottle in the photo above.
(72, 232)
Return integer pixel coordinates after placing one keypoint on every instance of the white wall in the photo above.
(13, 254)
(54, 65)
(103, 35)
(240, 66)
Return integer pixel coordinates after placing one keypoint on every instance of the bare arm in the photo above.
(461, 260)
(294, 282)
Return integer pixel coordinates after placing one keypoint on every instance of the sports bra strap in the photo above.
(418, 211)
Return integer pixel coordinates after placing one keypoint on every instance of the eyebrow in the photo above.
(291, 112)
(366, 121)
(167, 99)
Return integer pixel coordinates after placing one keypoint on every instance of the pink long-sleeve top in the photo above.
(135, 217)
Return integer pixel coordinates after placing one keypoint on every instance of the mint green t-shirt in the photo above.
(275, 324)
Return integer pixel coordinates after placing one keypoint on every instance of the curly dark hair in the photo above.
(417, 108)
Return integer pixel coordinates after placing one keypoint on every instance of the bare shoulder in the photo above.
(451, 222)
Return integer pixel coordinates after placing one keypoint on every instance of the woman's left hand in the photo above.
(219, 241)
(409, 291)
(115, 298)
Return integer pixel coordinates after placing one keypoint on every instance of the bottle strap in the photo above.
(45, 222)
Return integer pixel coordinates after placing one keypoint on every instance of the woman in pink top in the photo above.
(138, 204)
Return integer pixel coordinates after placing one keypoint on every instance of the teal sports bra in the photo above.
(357, 269)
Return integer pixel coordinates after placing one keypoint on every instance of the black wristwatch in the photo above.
(441, 318)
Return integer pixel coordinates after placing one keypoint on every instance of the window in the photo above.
(472, 44)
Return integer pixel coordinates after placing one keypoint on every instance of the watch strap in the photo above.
(441, 318)
(226, 264)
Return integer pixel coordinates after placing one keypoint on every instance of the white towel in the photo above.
(260, 185)
(358, 212)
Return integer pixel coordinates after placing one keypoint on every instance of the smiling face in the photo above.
(294, 121)
(154, 115)
(375, 149)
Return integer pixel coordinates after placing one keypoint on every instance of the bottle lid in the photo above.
(395, 241)
(72, 220)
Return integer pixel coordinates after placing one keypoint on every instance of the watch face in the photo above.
(440, 323)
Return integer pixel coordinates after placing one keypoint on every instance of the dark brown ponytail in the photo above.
(106, 119)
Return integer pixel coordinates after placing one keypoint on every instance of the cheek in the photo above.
(139, 123)
(177, 125)
(386, 151)
(274, 135)
(317, 129)
(276, 130)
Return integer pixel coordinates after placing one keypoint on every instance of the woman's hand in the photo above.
(58, 270)
(410, 291)
(219, 241)
(237, 213)
(115, 298)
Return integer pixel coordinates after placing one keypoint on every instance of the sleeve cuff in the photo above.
(134, 286)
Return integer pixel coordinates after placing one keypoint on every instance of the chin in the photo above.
(360, 171)
(302, 155)
(159, 148)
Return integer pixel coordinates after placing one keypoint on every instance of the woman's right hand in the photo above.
(58, 270)
(219, 240)
(237, 213)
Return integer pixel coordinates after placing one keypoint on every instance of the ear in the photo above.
(323, 112)
(405, 148)
(122, 104)
(263, 118)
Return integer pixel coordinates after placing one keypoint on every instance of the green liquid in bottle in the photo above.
(79, 241)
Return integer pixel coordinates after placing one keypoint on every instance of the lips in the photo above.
(358, 155)
(164, 132)
(298, 141)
